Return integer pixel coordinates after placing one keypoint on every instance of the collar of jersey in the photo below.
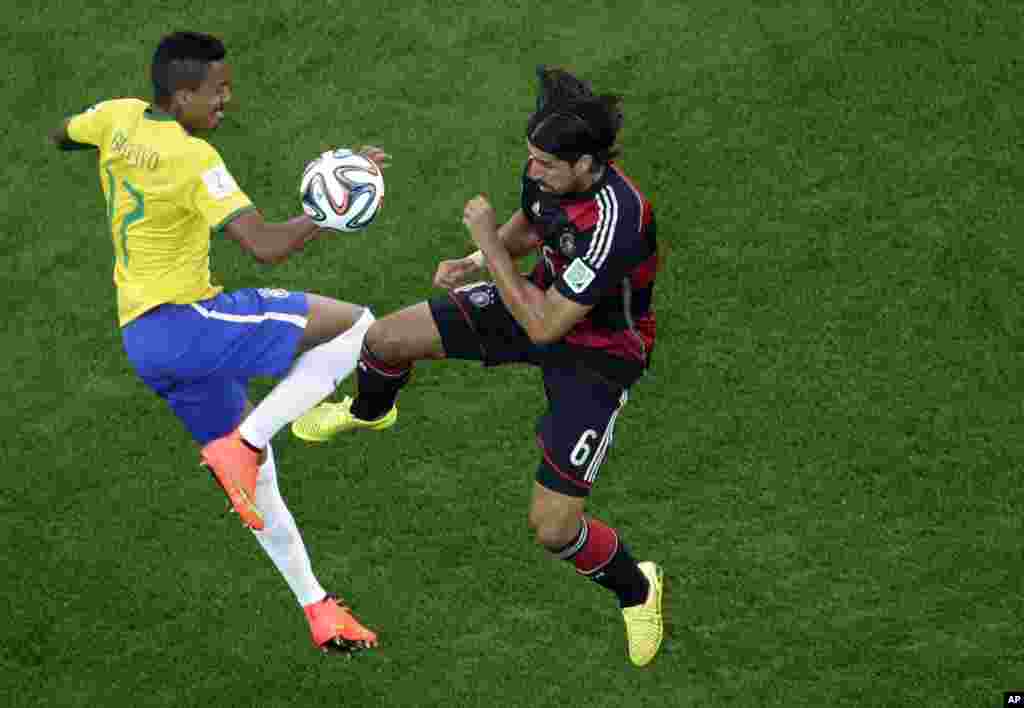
(154, 112)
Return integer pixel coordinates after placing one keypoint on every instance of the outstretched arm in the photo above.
(271, 242)
(59, 137)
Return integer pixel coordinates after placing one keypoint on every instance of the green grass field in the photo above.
(826, 456)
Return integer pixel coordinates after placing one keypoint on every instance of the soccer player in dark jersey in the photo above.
(584, 316)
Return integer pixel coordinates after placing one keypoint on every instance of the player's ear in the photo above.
(584, 164)
(182, 97)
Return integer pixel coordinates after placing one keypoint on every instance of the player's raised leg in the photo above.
(391, 346)
(331, 341)
(332, 332)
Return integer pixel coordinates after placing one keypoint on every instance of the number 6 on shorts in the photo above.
(581, 453)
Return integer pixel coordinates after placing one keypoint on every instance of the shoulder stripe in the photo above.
(641, 200)
(595, 240)
(601, 246)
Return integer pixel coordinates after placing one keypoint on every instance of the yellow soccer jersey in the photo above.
(166, 192)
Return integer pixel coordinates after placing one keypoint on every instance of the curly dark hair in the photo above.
(571, 121)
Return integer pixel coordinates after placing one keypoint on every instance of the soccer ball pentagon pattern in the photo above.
(342, 190)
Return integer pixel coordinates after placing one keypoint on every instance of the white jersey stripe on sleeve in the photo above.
(595, 241)
(605, 232)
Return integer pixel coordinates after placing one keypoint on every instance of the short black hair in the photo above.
(182, 59)
(570, 121)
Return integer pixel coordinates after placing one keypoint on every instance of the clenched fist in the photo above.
(480, 219)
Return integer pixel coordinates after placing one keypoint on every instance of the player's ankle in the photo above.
(371, 406)
(249, 445)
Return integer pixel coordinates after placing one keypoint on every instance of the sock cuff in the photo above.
(368, 360)
(569, 551)
(600, 547)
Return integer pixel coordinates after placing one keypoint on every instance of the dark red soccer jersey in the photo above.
(599, 249)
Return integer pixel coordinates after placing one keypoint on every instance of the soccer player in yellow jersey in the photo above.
(168, 192)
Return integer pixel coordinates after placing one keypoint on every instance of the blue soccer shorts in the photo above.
(199, 357)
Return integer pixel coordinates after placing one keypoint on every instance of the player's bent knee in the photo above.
(366, 320)
(554, 533)
(381, 340)
(328, 318)
(404, 337)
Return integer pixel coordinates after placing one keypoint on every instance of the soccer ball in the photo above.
(342, 190)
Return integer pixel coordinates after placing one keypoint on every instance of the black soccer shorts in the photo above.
(576, 431)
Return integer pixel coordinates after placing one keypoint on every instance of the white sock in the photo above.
(281, 539)
(312, 378)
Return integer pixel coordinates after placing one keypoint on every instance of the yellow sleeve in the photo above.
(215, 194)
(91, 125)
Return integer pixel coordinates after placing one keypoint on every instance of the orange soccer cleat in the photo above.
(333, 627)
(235, 466)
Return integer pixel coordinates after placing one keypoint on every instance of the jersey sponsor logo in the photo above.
(275, 293)
(578, 276)
(536, 208)
(219, 182)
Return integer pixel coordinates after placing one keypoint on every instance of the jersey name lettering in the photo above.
(136, 155)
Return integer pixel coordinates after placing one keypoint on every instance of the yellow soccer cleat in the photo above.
(644, 625)
(328, 419)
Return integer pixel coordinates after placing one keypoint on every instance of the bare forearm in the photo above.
(274, 242)
(524, 299)
(546, 315)
(516, 236)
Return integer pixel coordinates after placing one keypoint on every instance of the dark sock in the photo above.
(599, 555)
(379, 384)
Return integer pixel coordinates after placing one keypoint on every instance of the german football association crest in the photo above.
(567, 244)
(481, 298)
